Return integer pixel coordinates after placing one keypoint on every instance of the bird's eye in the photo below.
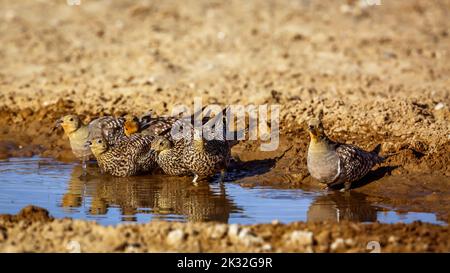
(99, 141)
(71, 119)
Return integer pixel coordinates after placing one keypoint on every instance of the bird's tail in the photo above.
(376, 150)
(378, 158)
(147, 117)
(376, 154)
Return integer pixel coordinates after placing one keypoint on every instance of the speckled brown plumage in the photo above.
(205, 158)
(185, 154)
(154, 126)
(132, 155)
(108, 127)
(170, 156)
(157, 125)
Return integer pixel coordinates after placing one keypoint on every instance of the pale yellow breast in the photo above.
(323, 162)
(78, 142)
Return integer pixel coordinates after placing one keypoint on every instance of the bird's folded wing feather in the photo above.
(110, 128)
(355, 162)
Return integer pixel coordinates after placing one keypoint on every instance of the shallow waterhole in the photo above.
(61, 189)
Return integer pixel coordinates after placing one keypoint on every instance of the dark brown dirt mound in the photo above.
(28, 214)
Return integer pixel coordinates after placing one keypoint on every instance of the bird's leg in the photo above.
(347, 186)
(194, 181)
(84, 167)
(222, 175)
(222, 189)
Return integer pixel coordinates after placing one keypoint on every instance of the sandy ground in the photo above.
(380, 74)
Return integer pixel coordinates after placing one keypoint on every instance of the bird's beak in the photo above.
(57, 125)
(88, 143)
(312, 132)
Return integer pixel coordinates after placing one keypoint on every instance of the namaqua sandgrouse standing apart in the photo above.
(334, 163)
(133, 155)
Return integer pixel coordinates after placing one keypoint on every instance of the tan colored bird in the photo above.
(334, 163)
(78, 134)
(110, 128)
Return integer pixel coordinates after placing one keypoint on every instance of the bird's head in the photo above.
(315, 129)
(161, 144)
(98, 146)
(131, 124)
(70, 123)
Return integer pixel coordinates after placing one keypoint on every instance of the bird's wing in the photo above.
(183, 130)
(185, 127)
(139, 142)
(215, 127)
(146, 117)
(110, 128)
(155, 126)
(140, 145)
(355, 162)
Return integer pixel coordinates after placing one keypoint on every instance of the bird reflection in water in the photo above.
(337, 206)
(162, 196)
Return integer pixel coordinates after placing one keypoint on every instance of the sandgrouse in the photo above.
(133, 155)
(190, 152)
(108, 127)
(334, 163)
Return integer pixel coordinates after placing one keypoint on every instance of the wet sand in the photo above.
(380, 74)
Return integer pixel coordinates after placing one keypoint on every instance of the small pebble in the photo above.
(439, 106)
(175, 237)
(338, 244)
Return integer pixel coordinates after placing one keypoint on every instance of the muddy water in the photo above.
(60, 188)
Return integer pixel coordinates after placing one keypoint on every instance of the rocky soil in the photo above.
(34, 230)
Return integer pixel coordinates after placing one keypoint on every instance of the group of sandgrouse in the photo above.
(128, 145)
